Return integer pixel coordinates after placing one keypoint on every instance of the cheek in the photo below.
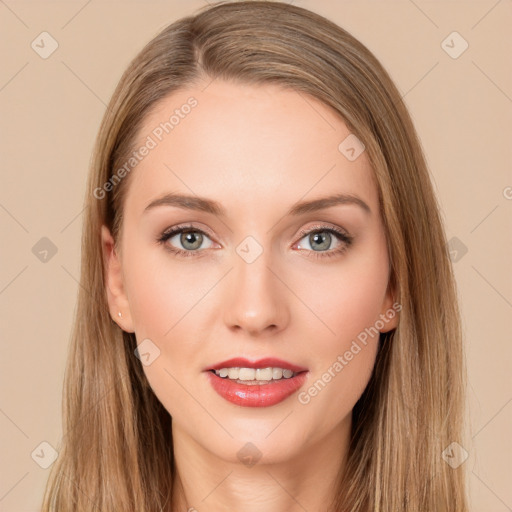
(150, 303)
(346, 299)
(343, 362)
(159, 293)
(347, 302)
(162, 300)
(166, 306)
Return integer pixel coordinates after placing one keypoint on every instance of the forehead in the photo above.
(245, 144)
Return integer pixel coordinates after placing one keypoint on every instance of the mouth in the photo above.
(256, 383)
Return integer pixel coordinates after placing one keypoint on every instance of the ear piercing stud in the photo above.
(119, 313)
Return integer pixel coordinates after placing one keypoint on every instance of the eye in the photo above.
(319, 241)
(189, 238)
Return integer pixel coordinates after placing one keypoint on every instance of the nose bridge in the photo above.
(257, 300)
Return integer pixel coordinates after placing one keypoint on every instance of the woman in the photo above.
(268, 317)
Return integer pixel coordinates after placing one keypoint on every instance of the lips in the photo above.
(259, 395)
(264, 395)
(241, 362)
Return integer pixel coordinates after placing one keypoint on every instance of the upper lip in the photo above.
(266, 362)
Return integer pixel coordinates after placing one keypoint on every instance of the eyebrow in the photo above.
(210, 206)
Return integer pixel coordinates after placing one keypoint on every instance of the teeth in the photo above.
(277, 373)
(245, 374)
(264, 374)
(255, 374)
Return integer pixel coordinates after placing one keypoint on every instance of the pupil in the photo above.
(324, 239)
(189, 237)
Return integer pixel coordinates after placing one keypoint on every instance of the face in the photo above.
(251, 275)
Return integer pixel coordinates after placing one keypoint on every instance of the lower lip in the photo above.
(256, 395)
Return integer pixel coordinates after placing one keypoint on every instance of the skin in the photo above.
(257, 150)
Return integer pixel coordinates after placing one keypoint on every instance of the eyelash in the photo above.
(345, 238)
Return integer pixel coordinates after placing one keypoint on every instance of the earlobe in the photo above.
(114, 285)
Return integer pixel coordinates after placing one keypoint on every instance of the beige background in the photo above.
(51, 110)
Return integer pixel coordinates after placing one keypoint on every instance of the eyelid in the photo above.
(325, 226)
(185, 227)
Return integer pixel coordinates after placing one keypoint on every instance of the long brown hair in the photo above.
(117, 452)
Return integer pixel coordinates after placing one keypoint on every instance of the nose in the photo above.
(257, 297)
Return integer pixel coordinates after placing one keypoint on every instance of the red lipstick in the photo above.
(256, 395)
(241, 362)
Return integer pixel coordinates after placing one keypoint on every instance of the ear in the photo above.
(390, 310)
(117, 300)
